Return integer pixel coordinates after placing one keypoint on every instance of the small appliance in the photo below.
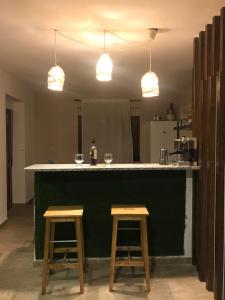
(186, 151)
(163, 159)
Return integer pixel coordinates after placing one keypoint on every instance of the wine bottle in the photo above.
(93, 153)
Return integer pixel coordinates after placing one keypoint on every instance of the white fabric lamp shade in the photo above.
(104, 68)
(150, 85)
(56, 78)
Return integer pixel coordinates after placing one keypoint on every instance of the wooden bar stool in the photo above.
(129, 213)
(55, 214)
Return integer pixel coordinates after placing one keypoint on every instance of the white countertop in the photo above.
(104, 167)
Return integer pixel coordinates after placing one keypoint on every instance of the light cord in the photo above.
(104, 40)
(150, 58)
(111, 32)
(74, 40)
(55, 48)
(124, 39)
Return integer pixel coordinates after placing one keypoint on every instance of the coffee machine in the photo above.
(186, 151)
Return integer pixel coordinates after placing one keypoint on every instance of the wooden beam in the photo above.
(219, 226)
(208, 51)
(222, 39)
(195, 84)
(220, 158)
(195, 130)
(211, 159)
(215, 45)
(201, 198)
(202, 54)
(209, 144)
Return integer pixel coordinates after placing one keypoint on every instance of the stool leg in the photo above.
(113, 253)
(82, 244)
(52, 244)
(46, 254)
(144, 242)
(79, 253)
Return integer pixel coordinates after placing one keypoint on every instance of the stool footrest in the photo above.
(62, 220)
(128, 248)
(128, 228)
(65, 249)
(63, 241)
(60, 266)
(127, 262)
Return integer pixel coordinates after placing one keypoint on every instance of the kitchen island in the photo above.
(165, 190)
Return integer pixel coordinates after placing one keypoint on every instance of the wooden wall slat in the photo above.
(203, 186)
(222, 40)
(220, 159)
(219, 216)
(195, 85)
(211, 160)
(211, 175)
(201, 194)
(215, 45)
(208, 51)
(209, 185)
(211, 178)
(202, 54)
(209, 128)
(195, 114)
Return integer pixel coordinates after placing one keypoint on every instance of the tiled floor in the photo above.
(20, 280)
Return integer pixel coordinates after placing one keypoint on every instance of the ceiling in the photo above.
(27, 42)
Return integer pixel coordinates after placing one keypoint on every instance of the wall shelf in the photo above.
(183, 127)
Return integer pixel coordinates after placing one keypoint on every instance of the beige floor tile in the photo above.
(20, 280)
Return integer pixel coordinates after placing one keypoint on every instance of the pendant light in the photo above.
(149, 81)
(56, 76)
(104, 66)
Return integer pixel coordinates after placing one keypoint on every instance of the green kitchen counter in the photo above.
(163, 189)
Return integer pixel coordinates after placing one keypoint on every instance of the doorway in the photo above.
(15, 151)
(9, 155)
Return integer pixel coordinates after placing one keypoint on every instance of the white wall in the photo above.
(185, 105)
(18, 90)
(56, 123)
(30, 141)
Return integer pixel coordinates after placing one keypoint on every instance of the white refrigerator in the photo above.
(161, 135)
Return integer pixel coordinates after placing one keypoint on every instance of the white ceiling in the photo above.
(27, 42)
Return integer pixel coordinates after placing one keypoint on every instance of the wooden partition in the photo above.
(209, 128)
(220, 156)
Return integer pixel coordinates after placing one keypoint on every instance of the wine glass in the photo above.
(108, 158)
(79, 158)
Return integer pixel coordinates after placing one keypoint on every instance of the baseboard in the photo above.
(3, 223)
(29, 202)
(171, 260)
(156, 260)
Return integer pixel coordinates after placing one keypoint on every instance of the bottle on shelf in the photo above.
(93, 153)
(170, 112)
